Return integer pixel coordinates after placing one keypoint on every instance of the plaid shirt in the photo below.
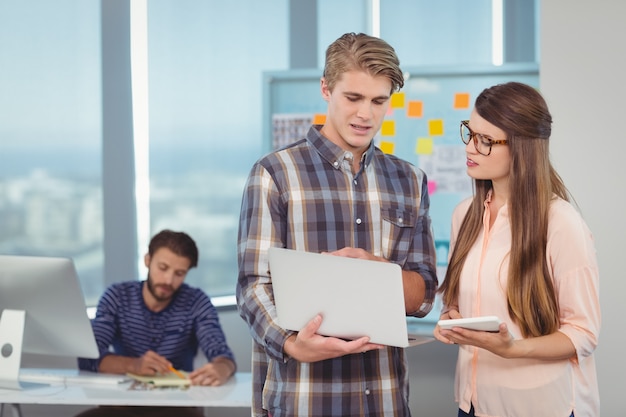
(305, 197)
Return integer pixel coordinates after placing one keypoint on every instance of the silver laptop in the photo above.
(355, 297)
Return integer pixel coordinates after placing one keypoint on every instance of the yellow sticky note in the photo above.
(415, 108)
(319, 119)
(387, 147)
(388, 128)
(435, 127)
(461, 101)
(424, 146)
(397, 100)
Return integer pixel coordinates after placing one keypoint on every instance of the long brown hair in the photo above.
(522, 113)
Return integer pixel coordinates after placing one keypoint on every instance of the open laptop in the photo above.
(356, 297)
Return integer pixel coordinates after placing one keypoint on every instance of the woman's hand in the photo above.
(452, 313)
(500, 343)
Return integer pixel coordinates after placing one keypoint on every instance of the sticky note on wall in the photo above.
(319, 119)
(415, 108)
(387, 147)
(432, 187)
(388, 128)
(435, 127)
(461, 101)
(424, 146)
(397, 100)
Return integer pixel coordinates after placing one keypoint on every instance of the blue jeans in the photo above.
(471, 413)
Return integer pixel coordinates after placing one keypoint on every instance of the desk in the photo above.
(237, 392)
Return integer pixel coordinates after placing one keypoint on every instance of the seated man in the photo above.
(158, 324)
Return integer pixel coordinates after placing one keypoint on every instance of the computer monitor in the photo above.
(42, 311)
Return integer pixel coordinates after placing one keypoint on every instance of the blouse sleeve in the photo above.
(572, 260)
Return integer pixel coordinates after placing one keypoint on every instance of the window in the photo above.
(205, 62)
(205, 66)
(50, 133)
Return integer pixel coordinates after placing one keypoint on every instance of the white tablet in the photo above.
(485, 323)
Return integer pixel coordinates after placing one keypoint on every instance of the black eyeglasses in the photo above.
(482, 143)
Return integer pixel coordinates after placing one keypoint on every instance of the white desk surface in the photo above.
(237, 392)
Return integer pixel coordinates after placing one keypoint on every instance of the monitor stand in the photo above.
(17, 411)
(11, 338)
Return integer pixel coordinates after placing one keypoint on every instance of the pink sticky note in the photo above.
(432, 187)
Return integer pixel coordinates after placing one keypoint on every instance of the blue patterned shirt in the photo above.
(124, 323)
(305, 197)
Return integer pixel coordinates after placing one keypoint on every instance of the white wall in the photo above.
(582, 69)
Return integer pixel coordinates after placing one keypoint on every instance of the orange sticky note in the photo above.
(387, 147)
(319, 119)
(415, 108)
(424, 146)
(388, 128)
(461, 101)
(397, 100)
(435, 127)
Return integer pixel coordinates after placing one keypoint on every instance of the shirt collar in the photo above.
(504, 210)
(330, 151)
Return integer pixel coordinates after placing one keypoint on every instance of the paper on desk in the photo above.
(164, 380)
(69, 376)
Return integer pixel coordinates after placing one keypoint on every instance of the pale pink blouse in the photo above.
(499, 387)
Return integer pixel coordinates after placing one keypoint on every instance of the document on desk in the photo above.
(70, 376)
(165, 380)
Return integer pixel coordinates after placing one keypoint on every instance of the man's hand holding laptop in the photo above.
(308, 346)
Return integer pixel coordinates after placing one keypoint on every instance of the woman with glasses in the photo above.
(522, 252)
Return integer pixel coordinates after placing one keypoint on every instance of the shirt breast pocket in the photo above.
(397, 232)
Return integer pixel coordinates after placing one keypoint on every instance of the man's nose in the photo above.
(365, 111)
(168, 277)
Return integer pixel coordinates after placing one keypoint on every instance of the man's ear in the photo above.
(324, 89)
(146, 260)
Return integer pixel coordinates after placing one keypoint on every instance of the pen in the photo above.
(180, 375)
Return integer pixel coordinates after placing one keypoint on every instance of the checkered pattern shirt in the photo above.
(305, 197)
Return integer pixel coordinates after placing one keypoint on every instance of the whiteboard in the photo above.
(421, 127)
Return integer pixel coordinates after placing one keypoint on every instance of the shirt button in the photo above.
(355, 182)
(335, 164)
(367, 391)
(358, 221)
(400, 220)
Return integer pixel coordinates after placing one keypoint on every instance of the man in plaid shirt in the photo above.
(334, 191)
